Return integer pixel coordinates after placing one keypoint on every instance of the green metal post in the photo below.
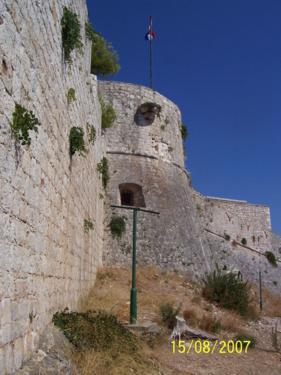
(133, 306)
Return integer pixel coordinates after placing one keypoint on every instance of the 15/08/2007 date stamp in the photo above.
(209, 347)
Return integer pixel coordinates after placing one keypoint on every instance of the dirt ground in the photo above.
(155, 287)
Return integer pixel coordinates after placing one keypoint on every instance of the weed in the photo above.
(271, 258)
(23, 121)
(184, 131)
(71, 95)
(117, 226)
(70, 31)
(244, 241)
(227, 290)
(76, 141)
(88, 225)
(102, 167)
(246, 337)
(169, 312)
(108, 115)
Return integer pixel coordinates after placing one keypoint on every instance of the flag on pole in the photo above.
(150, 35)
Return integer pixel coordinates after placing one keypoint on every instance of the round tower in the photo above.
(146, 168)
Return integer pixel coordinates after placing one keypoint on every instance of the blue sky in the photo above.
(220, 62)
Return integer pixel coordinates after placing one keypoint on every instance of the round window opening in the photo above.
(146, 113)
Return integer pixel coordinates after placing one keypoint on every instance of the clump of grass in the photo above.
(117, 226)
(227, 290)
(168, 313)
(88, 225)
(271, 258)
(96, 330)
(227, 237)
(246, 337)
(71, 97)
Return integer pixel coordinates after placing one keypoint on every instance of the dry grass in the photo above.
(272, 304)
(103, 363)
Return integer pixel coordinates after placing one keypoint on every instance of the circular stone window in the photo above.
(146, 113)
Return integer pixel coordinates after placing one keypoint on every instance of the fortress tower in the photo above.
(145, 156)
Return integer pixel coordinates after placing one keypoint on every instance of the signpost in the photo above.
(133, 300)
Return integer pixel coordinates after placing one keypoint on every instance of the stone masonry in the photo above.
(47, 261)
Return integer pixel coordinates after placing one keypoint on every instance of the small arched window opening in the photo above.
(131, 195)
(146, 113)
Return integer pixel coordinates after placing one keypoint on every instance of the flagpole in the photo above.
(150, 63)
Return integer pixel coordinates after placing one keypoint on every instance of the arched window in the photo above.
(146, 113)
(131, 195)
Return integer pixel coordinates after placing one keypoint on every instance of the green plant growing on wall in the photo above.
(117, 226)
(184, 131)
(91, 133)
(71, 97)
(244, 241)
(102, 167)
(104, 59)
(70, 31)
(271, 258)
(227, 237)
(108, 115)
(88, 225)
(76, 141)
(23, 121)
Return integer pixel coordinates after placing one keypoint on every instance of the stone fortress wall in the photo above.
(151, 156)
(193, 233)
(47, 261)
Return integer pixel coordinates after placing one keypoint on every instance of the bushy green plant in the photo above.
(70, 31)
(244, 241)
(104, 59)
(98, 330)
(76, 141)
(117, 226)
(102, 167)
(23, 121)
(184, 131)
(227, 237)
(227, 290)
(271, 258)
(88, 225)
(91, 133)
(108, 115)
(244, 337)
(168, 313)
(71, 97)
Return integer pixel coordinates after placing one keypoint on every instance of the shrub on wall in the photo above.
(76, 141)
(108, 115)
(102, 167)
(91, 133)
(23, 122)
(271, 258)
(184, 131)
(244, 241)
(88, 225)
(117, 226)
(70, 32)
(71, 97)
(104, 59)
(227, 237)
